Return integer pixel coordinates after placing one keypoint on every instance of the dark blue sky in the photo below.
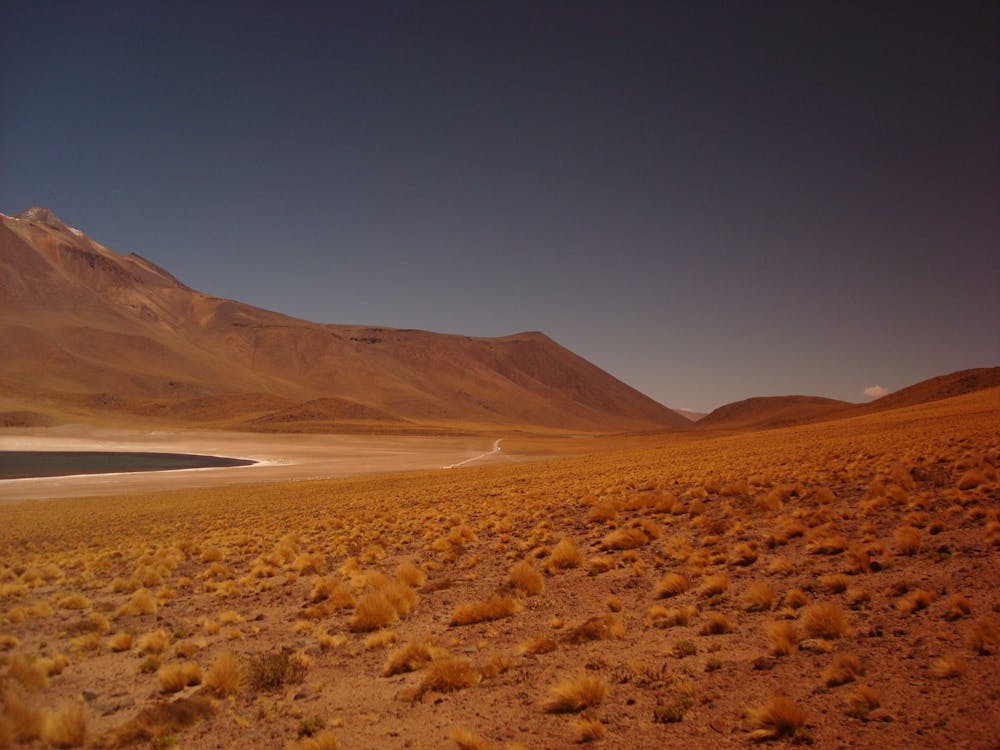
(709, 200)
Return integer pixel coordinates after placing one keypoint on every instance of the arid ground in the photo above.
(833, 584)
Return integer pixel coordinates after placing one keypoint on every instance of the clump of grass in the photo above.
(409, 573)
(714, 585)
(494, 608)
(957, 607)
(835, 583)
(779, 717)
(915, 601)
(324, 740)
(526, 579)
(373, 611)
(175, 677)
(984, 636)
(588, 730)
(906, 540)
(448, 674)
(715, 623)
(576, 693)
(671, 584)
(861, 702)
(225, 675)
(154, 643)
(743, 554)
(783, 636)
(824, 620)
(410, 657)
(66, 726)
(670, 617)
(120, 641)
(596, 628)
(141, 602)
(627, 538)
(332, 591)
(30, 672)
(948, 667)
(564, 555)
(380, 639)
(466, 740)
(271, 670)
(843, 669)
(538, 644)
(759, 597)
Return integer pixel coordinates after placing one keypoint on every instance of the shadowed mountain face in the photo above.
(89, 332)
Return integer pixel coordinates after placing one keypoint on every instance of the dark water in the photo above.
(20, 464)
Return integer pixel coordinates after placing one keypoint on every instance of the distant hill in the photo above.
(86, 332)
(694, 416)
(933, 389)
(764, 412)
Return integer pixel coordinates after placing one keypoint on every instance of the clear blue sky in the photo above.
(709, 200)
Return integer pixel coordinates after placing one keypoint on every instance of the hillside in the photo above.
(769, 411)
(95, 334)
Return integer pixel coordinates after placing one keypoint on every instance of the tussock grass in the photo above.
(226, 675)
(66, 726)
(494, 608)
(843, 669)
(564, 556)
(526, 579)
(448, 674)
(324, 740)
(779, 717)
(824, 620)
(576, 693)
(671, 584)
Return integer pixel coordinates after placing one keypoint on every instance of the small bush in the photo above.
(494, 608)
(276, 668)
(779, 717)
(671, 584)
(576, 693)
(824, 620)
(66, 726)
(225, 675)
(526, 579)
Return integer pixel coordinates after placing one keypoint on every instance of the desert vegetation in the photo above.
(823, 585)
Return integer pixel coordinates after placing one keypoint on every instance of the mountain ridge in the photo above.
(107, 333)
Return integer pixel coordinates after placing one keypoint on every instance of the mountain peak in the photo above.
(42, 215)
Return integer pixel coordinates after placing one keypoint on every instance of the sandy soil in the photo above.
(281, 457)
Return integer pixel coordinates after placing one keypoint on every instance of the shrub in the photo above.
(374, 611)
(272, 670)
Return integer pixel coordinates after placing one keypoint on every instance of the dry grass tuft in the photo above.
(466, 740)
(779, 717)
(565, 555)
(409, 573)
(324, 740)
(957, 607)
(715, 623)
(596, 628)
(588, 730)
(271, 670)
(861, 702)
(714, 586)
(66, 726)
(906, 540)
(824, 620)
(448, 674)
(374, 611)
(225, 676)
(948, 666)
(843, 669)
(154, 643)
(671, 584)
(120, 641)
(526, 579)
(410, 657)
(783, 636)
(140, 603)
(576, 693)
(759, 597)
(494, 608)
(627, 538)
(670, 617)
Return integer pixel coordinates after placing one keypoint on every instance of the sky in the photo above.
(710, 200)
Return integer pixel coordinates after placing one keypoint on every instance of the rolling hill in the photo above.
(89, 333)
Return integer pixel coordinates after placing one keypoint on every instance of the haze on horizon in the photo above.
(710, 201)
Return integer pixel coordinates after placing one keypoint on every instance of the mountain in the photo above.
(87, 332)
(933, 389)
(769, 411)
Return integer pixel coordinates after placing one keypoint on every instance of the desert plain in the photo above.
(831, 584)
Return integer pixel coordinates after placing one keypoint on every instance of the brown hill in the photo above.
(764, 412)
(86, 331)
(933, 389)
